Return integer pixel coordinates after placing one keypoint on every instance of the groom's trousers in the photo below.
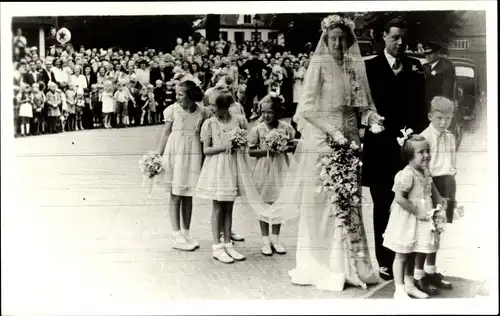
(382, 198)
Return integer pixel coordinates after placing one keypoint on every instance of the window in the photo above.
(239, 37)
(460, 45)
(259, 36)
(464, 72)
(223, 35)
(247, 19)
(273, 36)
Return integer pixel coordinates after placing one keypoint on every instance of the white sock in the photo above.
(276, 239)
(186, 233)
(177, 233)
(266, 240)
(28, 128)
(22, 129)
(409, 281)
(419, 274)
(430, 269)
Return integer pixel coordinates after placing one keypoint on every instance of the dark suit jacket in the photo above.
(29, 79)
(401, 100)
(439, 81)
(156, 74)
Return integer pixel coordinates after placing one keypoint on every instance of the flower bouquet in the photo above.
(438, 217)
(238, 139)
(150, 166)
(339, 170)
(277, 141)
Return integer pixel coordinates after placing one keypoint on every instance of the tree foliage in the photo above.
(424, 26)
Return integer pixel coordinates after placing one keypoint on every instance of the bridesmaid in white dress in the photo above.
(324, 257)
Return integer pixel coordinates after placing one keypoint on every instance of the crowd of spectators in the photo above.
(84, 88)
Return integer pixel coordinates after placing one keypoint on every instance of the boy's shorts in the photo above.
(447, 187)
(122, 108)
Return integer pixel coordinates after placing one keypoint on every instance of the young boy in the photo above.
(160, 96)
(442, 167)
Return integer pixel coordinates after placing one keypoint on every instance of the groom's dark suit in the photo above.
(401, 100)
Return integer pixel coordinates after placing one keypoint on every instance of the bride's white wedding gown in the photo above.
(323, 256)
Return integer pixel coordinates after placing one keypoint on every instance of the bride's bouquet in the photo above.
(339, 173)
(238, 139)
(277, 141)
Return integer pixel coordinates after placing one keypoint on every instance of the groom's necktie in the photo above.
(396, 65)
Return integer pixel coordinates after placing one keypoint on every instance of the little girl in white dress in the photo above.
(270, 168)
(219, 176)
(409, 230)
(181, 148)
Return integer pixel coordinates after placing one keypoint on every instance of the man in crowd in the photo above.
(254, 68)
(439, 74)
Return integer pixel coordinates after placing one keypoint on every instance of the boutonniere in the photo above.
(433, 72)
(414, 68)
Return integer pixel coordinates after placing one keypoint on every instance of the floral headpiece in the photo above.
(406, 134)
(337, 20)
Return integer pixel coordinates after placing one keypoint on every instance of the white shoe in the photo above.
(192, 242)
(220, 254)
(401, 295)
(416, 293)
(180, 243)
(266, 250)
(233, 253)
(278, 248)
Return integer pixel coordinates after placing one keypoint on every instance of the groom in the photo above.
(397, 85)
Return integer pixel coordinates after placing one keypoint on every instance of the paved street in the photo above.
(83, 230)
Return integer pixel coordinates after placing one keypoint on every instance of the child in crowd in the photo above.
(219, 176)
(108, 103)
(143, 104)
(122, 97)
(181, 148)
(169, 94)
(79, 108)
(38, 109)
(70, 107)
(95, 106)
(152, 105)
(442, 168)
(53, 103)
(160, 96)
(25, 101)
(270, 168)
(409, 232)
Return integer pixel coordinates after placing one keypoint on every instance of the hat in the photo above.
(431, 47)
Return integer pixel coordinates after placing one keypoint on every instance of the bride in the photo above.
(328, 105)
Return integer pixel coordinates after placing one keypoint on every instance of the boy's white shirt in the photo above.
(443, 159)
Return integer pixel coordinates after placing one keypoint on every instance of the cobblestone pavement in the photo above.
(83, 229)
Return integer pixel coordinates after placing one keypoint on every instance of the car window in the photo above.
(464, 72)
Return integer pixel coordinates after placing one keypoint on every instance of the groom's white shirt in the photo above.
(391, 59)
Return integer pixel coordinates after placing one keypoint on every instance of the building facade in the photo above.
(242, 27)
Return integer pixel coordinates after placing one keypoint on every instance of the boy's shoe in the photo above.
(180, 243)
(437, 280)
(424, 286)
(220, 254)
(233, 253)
